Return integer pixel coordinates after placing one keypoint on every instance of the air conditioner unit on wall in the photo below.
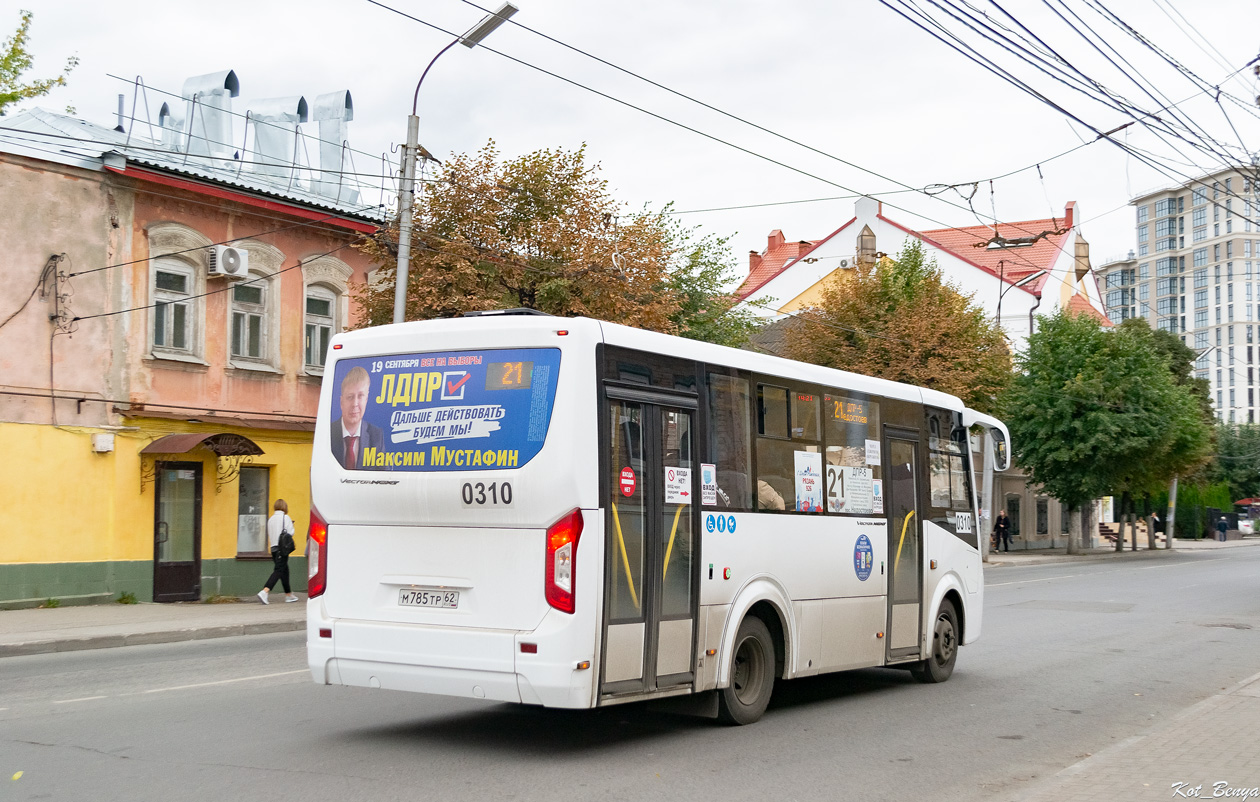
(844, 263)
(228, 261)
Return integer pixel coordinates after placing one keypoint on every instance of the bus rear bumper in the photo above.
(501, 665)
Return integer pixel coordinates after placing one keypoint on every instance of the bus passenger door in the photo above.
(905, 547)
(649, 606)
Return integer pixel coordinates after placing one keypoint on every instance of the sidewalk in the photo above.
(101, 626)
(1044, 556)
(1210, 746)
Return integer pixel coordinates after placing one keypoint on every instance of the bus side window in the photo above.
(730, 439)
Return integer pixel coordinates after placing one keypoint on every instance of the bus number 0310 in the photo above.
(480, 494)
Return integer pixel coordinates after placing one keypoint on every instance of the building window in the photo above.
(1165, 207)
(1143, 233)
(249, 320)
(321, 311)
(251, 512)
(174, 308)
(1141, 214)
(1200, 196)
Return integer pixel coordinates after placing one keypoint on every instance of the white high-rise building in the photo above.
(1196, 272)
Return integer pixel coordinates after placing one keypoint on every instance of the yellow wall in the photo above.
(813, 295)
(64, 503)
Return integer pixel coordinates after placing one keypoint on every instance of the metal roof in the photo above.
(42, 134)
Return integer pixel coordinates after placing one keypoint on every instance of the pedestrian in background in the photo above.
(280, 536)
(1001, 531)
(1222, 526)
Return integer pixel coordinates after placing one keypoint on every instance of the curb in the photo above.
(146, 638)
(1048, 783)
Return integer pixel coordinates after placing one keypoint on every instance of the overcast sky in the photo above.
(850, 78)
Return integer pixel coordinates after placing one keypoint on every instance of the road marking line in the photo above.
(1028, 581)
(68, 701)
(227, 681)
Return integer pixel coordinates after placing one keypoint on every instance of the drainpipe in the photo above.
(1031, 312)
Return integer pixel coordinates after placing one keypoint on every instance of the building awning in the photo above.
(223, 444)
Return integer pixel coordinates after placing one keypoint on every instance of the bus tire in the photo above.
(940, 662)
(752, 675)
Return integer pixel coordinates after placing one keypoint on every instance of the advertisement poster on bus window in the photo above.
(809, 490)
(443, 411)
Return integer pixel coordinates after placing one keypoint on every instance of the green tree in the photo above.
(1238, 459)
(899, 319)
(1093, 412)
(544, 232)
(707, 309)
(15, 60)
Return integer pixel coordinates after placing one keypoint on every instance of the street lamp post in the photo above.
(406, 195)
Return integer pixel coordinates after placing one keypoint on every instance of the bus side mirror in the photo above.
(1001, 454)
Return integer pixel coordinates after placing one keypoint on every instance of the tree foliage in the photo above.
(1238, 459)
(1093, 412)
(899, 319)
(543, 232)
(16, 59)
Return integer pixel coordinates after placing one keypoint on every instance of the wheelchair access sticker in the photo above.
(719, 523)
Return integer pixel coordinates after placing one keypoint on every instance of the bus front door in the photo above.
(905, 581)
(649, 577)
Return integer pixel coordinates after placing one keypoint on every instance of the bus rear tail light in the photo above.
(317, 555)
(562, 543)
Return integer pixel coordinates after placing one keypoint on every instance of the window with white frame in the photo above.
(249, 320)
(321, 319)
(174, 308)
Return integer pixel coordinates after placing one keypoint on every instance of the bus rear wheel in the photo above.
(940, 663)
(752, 675)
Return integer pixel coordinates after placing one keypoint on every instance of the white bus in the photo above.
(573, 513)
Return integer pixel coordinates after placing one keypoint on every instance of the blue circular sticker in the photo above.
(708, 522)
(863, 558)
(730, 524)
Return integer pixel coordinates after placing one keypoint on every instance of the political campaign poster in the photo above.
(443, 411)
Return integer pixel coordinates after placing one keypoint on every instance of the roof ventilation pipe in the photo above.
(208, 123)
(172, 126)
(333, 111)
(275, 134)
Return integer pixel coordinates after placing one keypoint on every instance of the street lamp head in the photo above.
(487, 25)
(1029, 278)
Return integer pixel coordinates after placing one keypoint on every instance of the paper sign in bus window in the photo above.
(708, 484)
(872, 452)
(850, 489)
(677, 485)
(809, 495)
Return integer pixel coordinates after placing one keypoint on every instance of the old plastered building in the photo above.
(168, 300)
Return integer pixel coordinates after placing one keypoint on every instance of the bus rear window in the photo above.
(443, 411)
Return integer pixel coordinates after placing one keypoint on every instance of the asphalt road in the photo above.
(1073, 658)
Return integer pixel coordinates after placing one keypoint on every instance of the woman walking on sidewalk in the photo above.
(280, 536)
(1001, 531)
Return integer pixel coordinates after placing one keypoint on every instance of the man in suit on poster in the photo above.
(350, 433)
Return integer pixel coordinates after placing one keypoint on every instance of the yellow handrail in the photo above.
(625, 559)
(904, 525)
(670, 548)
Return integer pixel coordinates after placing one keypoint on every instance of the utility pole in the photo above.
(411, 150)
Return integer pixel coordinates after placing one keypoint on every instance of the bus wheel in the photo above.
(752, 675)
(940, 664)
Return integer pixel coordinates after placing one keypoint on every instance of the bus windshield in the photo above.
(443, 411)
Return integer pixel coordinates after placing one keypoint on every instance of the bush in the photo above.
(126, 597)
